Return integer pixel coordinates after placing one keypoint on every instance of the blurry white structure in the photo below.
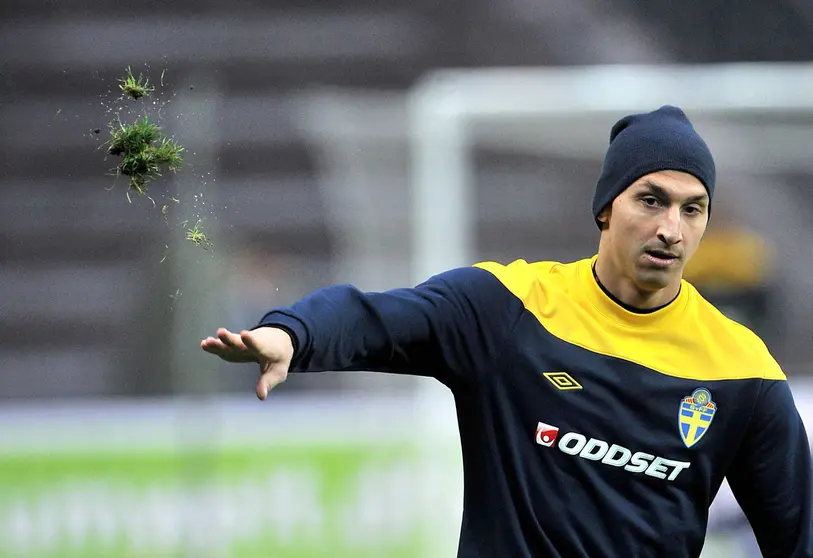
(570, 111)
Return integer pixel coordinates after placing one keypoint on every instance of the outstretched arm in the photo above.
(450, 327)
(772, 477)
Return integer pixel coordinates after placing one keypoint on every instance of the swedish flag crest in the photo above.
(695, 415)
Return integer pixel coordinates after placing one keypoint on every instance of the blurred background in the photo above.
(356, 141)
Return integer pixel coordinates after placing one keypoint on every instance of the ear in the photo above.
(604, 217)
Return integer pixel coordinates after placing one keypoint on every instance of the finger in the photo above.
(264, 386)
(214, 342)
(212, 345)
(248, 340)
(219, 348)
(230, 339)
(224, 335)
(268, 381)
(226, 353)
(262, 389)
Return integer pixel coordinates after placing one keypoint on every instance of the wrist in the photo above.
(295, 329)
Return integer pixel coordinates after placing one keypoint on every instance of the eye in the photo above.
(650, 201)
(693, 210)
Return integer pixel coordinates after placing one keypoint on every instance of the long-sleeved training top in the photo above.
(586, 429)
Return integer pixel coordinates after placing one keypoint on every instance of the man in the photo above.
(601, 403)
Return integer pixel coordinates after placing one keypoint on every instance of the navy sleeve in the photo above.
(772, 478)
(449, 327)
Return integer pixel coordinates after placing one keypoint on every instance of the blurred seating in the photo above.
(69, 236)
(733, 269)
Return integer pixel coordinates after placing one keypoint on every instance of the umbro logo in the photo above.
(562, 380)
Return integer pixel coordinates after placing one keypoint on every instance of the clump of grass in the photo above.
(168, 153)
(135, 87)
(131, 138)
(196, 236)
(143, 150)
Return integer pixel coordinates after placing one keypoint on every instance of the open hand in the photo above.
(270, 347)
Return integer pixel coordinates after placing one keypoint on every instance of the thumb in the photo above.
(269, 345)
(271, 375)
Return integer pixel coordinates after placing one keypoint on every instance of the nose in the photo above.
(669, 229)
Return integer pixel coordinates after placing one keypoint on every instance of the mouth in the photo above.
(661, 258)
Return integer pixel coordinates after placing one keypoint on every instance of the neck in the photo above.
(628, 294)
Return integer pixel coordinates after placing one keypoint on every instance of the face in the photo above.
(653, 228)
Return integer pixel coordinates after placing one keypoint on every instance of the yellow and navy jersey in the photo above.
(586, 429)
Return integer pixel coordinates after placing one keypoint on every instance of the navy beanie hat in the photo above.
(649, 142)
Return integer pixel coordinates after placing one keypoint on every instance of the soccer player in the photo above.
(602, 402)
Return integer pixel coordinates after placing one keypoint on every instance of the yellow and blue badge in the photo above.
(694, 416)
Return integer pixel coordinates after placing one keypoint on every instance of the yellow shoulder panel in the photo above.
(689, 338)
(519, 277)
(535, 284)
(746, 352)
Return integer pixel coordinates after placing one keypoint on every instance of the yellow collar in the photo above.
(610, 309)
